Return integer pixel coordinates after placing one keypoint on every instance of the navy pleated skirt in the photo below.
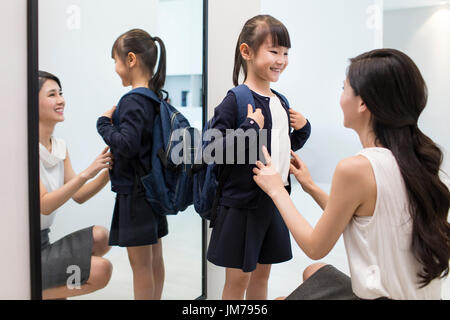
(241, 238)
(136, 224)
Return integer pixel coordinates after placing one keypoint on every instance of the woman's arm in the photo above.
(50, 201)
(348, 191)
(90, 189)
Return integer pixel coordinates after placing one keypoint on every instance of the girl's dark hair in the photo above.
(44, 76)
(394, 91)
(144, 47)
(254, 33)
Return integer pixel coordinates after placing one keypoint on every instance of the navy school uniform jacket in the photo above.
(129, 137)
(240, 190)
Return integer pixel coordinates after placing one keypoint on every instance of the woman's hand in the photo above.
(297, 120)
(299, 169)
(104, 160)
(110, 112)
(266, 177)
(257, 116)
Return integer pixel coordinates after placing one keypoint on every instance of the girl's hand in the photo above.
(103, 161)
(297, 120)
(110, 112)
(266, 177)
(257, 116)
(299, 169)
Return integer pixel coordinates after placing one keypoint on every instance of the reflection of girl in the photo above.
(82, 249)
(136, 226)
(249, 234)
(388, 200)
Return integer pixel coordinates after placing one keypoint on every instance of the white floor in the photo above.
(182, 254)
(182, 257)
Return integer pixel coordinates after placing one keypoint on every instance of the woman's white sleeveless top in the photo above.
(379, 247)
(51, 167)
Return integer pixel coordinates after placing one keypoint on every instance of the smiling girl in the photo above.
(249, 234)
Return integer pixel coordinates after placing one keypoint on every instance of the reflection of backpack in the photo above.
(168, 186)
(210, 178)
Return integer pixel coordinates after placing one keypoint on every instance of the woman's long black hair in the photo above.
(394, 91)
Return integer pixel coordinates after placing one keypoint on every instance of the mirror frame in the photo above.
(33, 148)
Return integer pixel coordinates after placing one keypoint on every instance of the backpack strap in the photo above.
(144, 92)
(285, 100)
(244, 97)
(137, 166)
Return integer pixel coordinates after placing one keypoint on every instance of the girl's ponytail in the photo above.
(157, 81)
(144, 47)
(238, 64)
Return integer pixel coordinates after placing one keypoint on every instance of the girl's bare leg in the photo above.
(236, 282)
(257, 288)
(141, 261)
(158, 269)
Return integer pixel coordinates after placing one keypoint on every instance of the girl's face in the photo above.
(352, 106)
(122, 70)
(51, 102)
(269, 61)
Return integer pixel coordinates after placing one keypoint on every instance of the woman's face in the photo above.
(351, 106)
(51, 102)
(270, 60)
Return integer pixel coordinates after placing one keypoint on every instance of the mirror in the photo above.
(75, 41)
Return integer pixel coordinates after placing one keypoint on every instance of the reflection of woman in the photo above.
(388, 201)
(78, 256)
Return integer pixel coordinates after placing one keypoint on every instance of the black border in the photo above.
(204, 295)
(33, 147)
(33, 150)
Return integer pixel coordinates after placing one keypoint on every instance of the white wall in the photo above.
(180, 22)
(424, 34)
(14, 237)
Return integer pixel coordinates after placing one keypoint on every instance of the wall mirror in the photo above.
(75, 38)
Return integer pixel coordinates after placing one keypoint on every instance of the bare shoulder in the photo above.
(355, 170)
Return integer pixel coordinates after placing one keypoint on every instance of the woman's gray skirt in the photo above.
(66, 261)
(327, 283)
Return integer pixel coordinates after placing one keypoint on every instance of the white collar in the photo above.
(58, 153)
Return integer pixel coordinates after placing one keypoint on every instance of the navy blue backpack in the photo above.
(210, 178)
(168, 185)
